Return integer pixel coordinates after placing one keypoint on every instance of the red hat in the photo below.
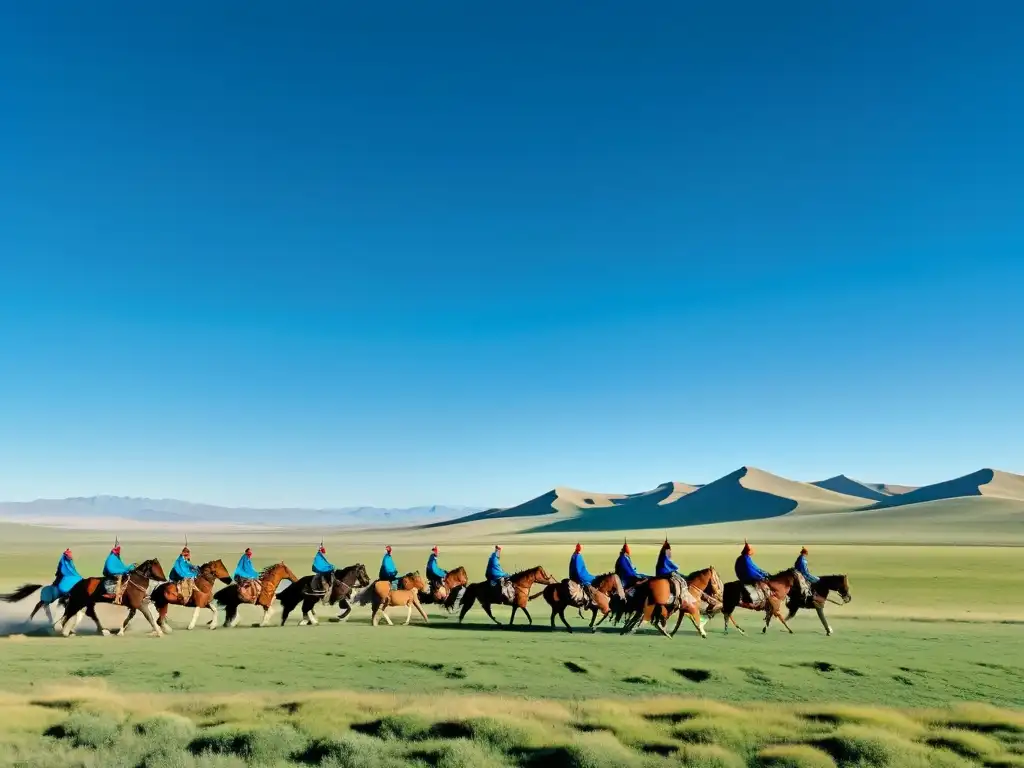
(803, 550)
(185, 551)
(434, 550)
(747, 549)
(579, 547)
(67, 553)
(625, 548)
(116, 550)
(248, 552)
(322, 550)
(388, 549)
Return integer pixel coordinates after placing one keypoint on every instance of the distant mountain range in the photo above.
(113, 511)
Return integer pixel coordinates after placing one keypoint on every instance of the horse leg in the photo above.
(213, 621)
(778, 615)
(161, 619)
(231, 617)
(419, 608)
(487, 610)
(561, 615)
(554, 613)
(601, 621)
(285, 610)
(191, 624)
(694, 613)
(408, 615)
(149, 611)
(267, 613)
(513, 618)
(593, 618)
(679, 620)
(311, 613)
(127, 619)
(529, 618)
(732, 619)
(90, 611)
(824, 621)
(344, 609)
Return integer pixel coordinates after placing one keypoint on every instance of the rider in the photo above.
(801, 566)
(495, 575)
(624, 568)
(578, 571)
(388, 569)
(245, 571)
(114, 568)
(323, 569)
(665, 566)
(183, 568)
(435, 573)
(64, 579)
(747, 570)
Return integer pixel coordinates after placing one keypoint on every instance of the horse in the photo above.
(84, 596)
(654, 601)
(781, 586)
(404, 596)
(446, 592)
(27, 589)
(200, 597)
(819, 596)
(379, 588)
(557, 596)
(345, 580)
(487, 594)
(231, 596)
(706, 587)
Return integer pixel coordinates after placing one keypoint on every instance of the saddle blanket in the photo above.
(185, 589)
(320, 584)
(756, 594)
(506, 589)
(249, 590)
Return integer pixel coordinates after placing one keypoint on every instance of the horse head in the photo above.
(456, 578)
(840, 582)
(715, 583)
(151, 569)
(215, 570)
(362, 577)
(418, 583)
(609, 584)
(542, 576)
(409, 580)
(278, 572)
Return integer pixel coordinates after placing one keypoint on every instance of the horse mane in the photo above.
(461, 569)
(603, 576)
(349, 569)
(269, 570)
(526, 571)
(698, 572)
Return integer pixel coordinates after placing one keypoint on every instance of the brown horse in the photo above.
(819, 596)
(487, 594)
(558, 597)
(345, 580)
(200, 597)
(655, 599)
(407, 594)
(785, 585)
(231, 596)
(445, 593)
(706, 587)
(376, 591)
(84, 596)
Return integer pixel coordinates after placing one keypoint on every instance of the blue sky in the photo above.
(452, 253)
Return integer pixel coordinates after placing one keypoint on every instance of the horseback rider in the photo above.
(496, 576)
(388, 569)
(323, 570)
(801, 567)
(115, 569)
(435, 573)
(64, 579)
(624, 569)
(748, 572)
(579, 574)
(183, 568)
(245, 571)
(665, 566)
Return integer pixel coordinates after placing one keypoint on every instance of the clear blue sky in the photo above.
(254, 253)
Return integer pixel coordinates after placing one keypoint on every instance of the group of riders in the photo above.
(115, 570)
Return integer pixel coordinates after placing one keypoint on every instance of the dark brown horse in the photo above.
(84, 596)
(781, 587)
(345, 580)
(201, 596)
(838, 583)
(558, 597)
(231, 596)
(445, 593)
(487, 594)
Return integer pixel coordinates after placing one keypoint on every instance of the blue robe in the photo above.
(626, 572)
(578, 570)
(388, 569)
(801, 568)
(494, 571)
(434, 570)
(321, 564)
(665, 565)
(245, 569)
(747, 570)
(114, 566)
(183, 569)
(66, 577)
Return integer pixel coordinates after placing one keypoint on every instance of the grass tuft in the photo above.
(793, 756)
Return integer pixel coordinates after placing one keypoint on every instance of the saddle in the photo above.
(114, 586)
(249, 590)
(185, 589)
(579, 594)
(320, 585)
(680, 591)
(757, 595)
(506, 589)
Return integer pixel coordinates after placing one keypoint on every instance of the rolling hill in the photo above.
(871, 491)
(984, 482)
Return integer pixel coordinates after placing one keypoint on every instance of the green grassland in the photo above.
(929, 626)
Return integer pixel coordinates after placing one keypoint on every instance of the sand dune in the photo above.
(851, 487)
(984, 482)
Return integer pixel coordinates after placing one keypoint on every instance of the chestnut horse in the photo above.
(231, 597)
(376, 591)
(706, 587)
(201, 597)
(785, 585)
(84, 596)
(557, 596)
(655, 599)
(819, 596)
(345, 580)
(407, 594)
(488, 595)
(445, 594)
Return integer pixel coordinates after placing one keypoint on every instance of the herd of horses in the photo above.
(699, 596)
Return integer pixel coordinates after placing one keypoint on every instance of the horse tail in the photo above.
(454, 598)
(20, 593)
(539, 594)
(365, 597)
(159, 597)
(221, 596)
